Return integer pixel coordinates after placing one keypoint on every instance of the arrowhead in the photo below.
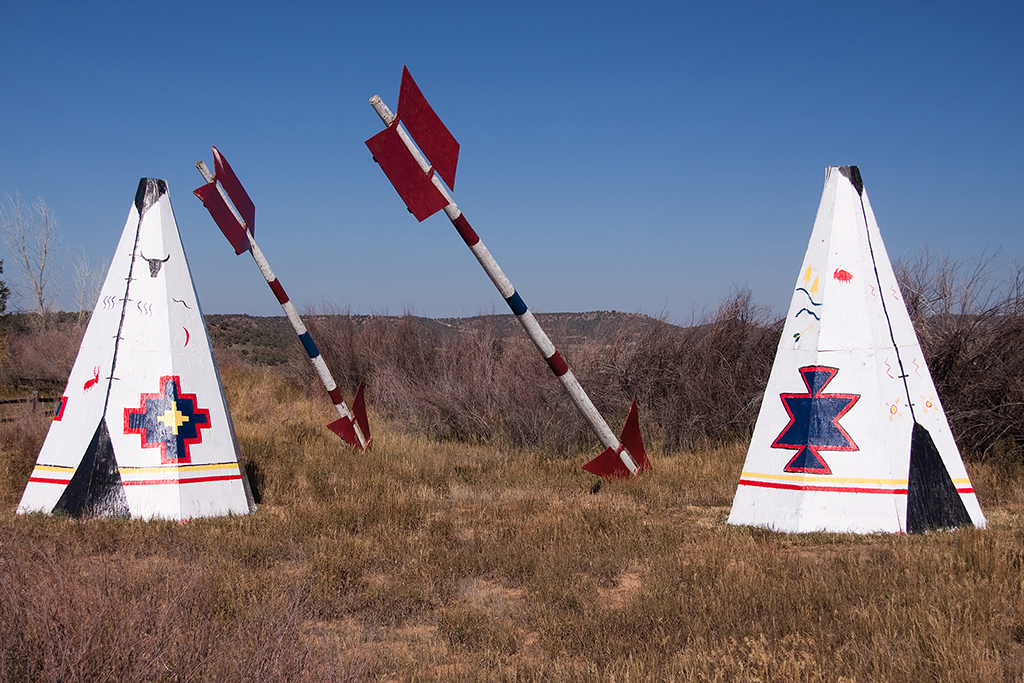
(609, 464)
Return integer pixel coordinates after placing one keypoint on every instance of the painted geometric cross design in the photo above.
(814, 422)
(168, 420)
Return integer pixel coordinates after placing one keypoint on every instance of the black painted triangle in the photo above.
(150, 190)
(932, 498)
(95, 490)
(852, 173)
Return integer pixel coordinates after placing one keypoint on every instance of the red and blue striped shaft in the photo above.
(515, 302)
(293, 317)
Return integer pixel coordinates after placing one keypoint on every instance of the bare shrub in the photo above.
(477, 385)
(969, 318)
(701, 384)
(695, 385)
(32, 235)
(37, 357)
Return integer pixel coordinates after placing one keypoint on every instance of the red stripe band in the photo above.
(190, 480)
(557, 365)
(830, 489)
(466, 230)
(40, 480)
(335, 395)
(282, 298)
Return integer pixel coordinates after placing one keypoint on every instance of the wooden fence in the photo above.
(48, 404)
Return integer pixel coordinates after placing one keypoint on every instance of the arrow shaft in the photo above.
(508, 292)
(308, 344)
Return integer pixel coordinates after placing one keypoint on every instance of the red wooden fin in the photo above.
(236, 193)
(632, 440)
(343, 428)
(431, 135)
(359, 410)
(223, 217)
(413, 185)
(608, 465)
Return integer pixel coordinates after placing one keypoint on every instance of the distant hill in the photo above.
(270, 340)
(569, 328)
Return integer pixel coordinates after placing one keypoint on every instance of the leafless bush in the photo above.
(40, 358)
(32, 235)
(702, 384)
(969, 318)
(696, 385)
(478, 385)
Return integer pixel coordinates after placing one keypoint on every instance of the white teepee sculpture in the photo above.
(851, 436)
(143, 428)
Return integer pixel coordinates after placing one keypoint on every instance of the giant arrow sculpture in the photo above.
(235, 214)
(417, 182)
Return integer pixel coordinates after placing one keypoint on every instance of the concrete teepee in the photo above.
(143, 428)
(851, 436)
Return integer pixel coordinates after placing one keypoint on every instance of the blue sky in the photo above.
(633, 156)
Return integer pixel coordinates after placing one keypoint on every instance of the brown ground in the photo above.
(427, 560)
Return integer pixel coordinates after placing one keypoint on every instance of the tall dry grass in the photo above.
(436, 561)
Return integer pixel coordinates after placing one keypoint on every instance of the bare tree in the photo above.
(32, 236)
(88, 281)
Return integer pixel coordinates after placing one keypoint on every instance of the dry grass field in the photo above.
(447, 560)
(469, 546)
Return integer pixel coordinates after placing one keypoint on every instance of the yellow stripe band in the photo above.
(169, 469)
(54, 468)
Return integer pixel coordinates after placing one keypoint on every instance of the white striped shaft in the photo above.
(289, 308)
(533, 329)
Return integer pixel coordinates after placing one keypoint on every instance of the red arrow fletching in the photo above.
(359, 410)
(413, 185)
(634, 443)
(223, 217)
(431, 135)
(609, 465)
(343, 428)
(236, 193)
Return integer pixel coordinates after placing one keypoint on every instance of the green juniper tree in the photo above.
(4, 291)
